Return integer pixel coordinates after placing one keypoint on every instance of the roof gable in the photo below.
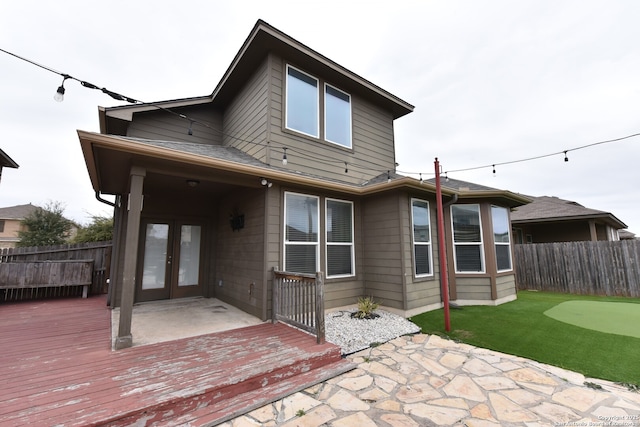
(262, 40)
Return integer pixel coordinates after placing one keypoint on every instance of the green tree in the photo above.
(100, 230)
(45, 226)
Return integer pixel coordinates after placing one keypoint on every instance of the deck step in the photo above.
(224, 402)
(236, 405)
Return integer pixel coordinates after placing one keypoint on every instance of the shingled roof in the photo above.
(549, 208)
(17, 212)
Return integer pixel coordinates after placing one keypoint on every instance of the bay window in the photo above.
(501, 238)
(423, 262)
(467, 238)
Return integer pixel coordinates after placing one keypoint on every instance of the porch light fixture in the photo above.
(193, 183)
(284, 156)
(59, 96)
(266, 183)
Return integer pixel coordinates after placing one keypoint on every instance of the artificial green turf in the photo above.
(610, 317)
(521, 328)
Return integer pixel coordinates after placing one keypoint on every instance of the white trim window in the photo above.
(501, 237)
(339, 229)
(467, 238)
(302, 103)
(337, 116)
(421, 226)
(301, 233)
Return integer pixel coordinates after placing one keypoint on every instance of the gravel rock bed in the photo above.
(353, 335)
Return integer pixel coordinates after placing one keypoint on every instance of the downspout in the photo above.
(114, 241)
(100, 199)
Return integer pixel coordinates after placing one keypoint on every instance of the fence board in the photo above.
(99, 252)
(583, 268)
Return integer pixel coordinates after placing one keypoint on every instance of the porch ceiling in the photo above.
(111, 174)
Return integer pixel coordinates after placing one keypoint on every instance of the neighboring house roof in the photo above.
(18, 212)
(626, 235)
(6, 161)
(264, 39)
(554, 209)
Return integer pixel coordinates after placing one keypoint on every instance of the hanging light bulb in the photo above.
(421, 178)
(59, 96)
(388, 176)
(346, 167)
(446, 177)
(566, 159)
(190, 131)
(494, 170)
(284, 156)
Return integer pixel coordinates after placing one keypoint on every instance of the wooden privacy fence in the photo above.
(583, 268)
(99, 253)
(21, 280)
(298, 299)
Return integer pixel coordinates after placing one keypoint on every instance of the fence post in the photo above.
(320, 307)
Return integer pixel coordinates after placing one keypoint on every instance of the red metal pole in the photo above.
(444, 274)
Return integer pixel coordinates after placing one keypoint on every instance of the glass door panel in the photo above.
(189, 265)
(155, 256)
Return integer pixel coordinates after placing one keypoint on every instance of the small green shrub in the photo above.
(366, 306)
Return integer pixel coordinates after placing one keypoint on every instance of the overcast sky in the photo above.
(492, 82)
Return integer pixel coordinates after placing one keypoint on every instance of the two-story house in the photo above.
(11, 223)
(289, 163)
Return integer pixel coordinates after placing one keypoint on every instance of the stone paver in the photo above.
(424, 380)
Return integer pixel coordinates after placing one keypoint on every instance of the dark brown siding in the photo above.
(383, 250)
(506, 285)
(372, 150)
(239, 256)
(245, 119)
(164, 126)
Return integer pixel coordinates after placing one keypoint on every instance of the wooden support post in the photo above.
(125, 339)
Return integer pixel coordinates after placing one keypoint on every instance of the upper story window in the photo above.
(501, 238)
(467, 238)
(303, 104)
(337, 116)
(421, 238)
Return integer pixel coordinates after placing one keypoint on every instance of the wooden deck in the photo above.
(58, 369)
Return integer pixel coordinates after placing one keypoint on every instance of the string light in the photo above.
(420, 177)
(494, 170)
(190, 131)
(59, 96)
(346, 167)
(60, 92)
